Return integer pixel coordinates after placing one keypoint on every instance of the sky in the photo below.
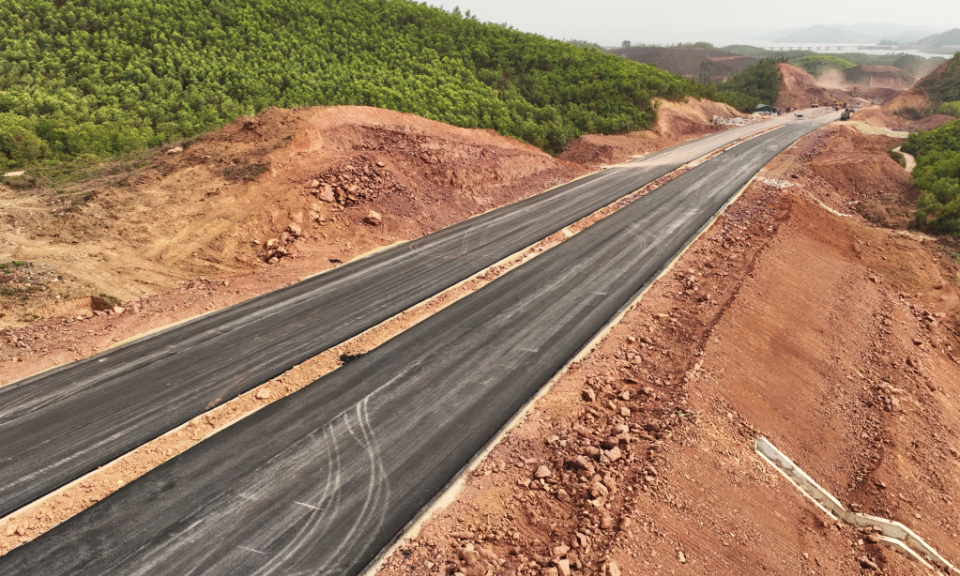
(609, 22)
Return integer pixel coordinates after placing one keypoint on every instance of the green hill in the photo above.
(943, 85)
(937, 175)
(106, 76)
(948, 38)
(820, 63)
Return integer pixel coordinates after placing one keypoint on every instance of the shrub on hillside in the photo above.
(937, 175)
(950, 109)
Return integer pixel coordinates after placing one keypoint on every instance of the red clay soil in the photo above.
(799, 89)
(835, 340)
(884, 118)
(146, 236)
(190, 232)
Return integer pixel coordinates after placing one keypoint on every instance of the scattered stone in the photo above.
(326, 194)
(598, 490)
(550, 572)
(313, 184)
(681, 557)
(373, 218)
(867, 563)
(614, 454)
(264, 394)
(542, 472)
(563, 566)
(589, 395)
(606, 522)
(118, 310)
(560, 551)
(624, 412)
(611, 568)
(294, 230)
(563, 496)
(175, 150)
(462, 535)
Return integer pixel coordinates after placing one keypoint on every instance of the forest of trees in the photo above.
(759, 83)
(937, 175)
(105, 76)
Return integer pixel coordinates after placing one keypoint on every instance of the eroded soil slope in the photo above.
(799, 89)
(835, 339)
(250, 208)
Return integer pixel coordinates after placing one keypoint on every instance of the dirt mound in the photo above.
(689, 62)
(799, 89)
(676, 122)
(211, 209)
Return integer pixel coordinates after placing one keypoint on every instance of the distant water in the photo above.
(824, 48)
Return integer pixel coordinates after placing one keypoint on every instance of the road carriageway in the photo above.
(65, 423)
(321, 481)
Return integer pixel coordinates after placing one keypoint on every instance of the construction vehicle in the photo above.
(815, 105)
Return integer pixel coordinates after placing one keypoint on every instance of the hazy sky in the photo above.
(608, 22)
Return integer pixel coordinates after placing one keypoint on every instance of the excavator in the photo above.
(815, 105)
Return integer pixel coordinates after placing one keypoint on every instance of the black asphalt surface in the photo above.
(320, 481)
(65, 423)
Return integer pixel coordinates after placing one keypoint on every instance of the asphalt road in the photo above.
(65, 423)
(320, 481)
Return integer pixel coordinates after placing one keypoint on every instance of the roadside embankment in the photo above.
(837, 340)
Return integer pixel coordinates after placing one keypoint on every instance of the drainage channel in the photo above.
(893, 534)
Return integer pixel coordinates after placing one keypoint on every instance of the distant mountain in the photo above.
(825, 35)
(948, 38)
(857, 33)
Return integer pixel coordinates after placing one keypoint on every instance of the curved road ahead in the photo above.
(65, 423)
(320, 481)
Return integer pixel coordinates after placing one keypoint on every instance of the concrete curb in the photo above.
(895, 534)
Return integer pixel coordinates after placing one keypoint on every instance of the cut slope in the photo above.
(211, 209)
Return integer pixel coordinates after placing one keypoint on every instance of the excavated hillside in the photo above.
(256, 205)
(794, 318)
(799, 89)
(879, 77)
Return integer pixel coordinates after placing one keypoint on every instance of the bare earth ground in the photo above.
(834, 339)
